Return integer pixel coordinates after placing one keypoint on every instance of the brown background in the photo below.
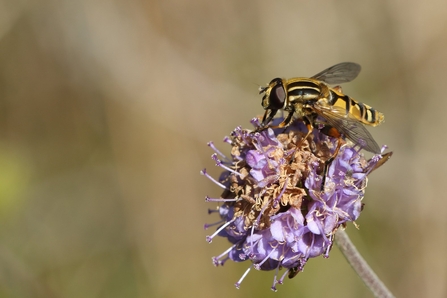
(106, 108)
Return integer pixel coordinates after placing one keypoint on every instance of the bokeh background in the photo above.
(106, 108)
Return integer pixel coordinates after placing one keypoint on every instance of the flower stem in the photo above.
(360, 266)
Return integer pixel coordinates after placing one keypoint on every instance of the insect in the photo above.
(313, 101)
(293, 272)
(309, 98)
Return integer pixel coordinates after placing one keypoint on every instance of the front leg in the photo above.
(268, 116)
(286, 121)
(266, 119)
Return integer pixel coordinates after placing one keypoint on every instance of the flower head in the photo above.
(275, 211)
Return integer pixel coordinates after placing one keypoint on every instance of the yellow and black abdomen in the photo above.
(364, 113)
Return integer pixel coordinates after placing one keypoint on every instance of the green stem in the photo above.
(360, 266)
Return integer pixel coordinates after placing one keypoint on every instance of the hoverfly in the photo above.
(312, 97)
(313, 101)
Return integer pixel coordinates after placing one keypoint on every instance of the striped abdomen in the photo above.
(361, 111)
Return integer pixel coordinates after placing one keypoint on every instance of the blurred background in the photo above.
(106, 108)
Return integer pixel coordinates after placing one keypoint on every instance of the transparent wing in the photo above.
(384, 159)
(339, 73)
(349, 126)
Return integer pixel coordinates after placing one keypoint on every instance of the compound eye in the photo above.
(277, 96)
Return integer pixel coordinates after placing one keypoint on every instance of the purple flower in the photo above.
(274, 210)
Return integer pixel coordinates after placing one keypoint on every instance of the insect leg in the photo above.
(268, 116)
(332, 132)
(286, 121)
(266, 119)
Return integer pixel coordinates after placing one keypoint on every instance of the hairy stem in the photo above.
(360, 266)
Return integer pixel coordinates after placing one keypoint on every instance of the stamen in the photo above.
(227, 140)
(217, 261)
(204, 173)
(212, 146)
(238, 284)
(210, 238)
(268, 180)
(328, 249)
(275, 278)
(362, 143)
(224, 260)
(212, 210)
(278, 198)
(257, 266)
(206, 226)
(281, 280)
(237, 131)
(255, 122)
(251, 255)
(208, 199)
(220, 164)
